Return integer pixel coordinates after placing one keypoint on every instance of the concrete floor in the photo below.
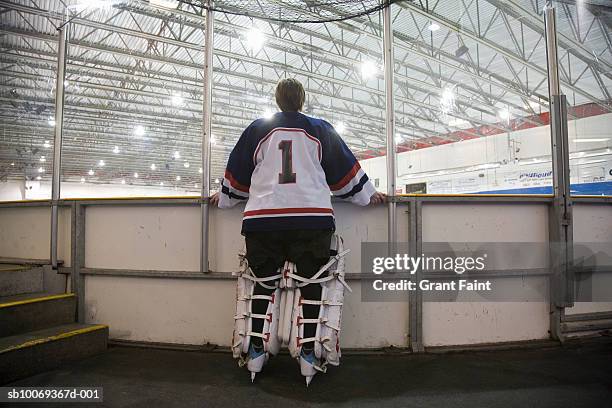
(569, 376)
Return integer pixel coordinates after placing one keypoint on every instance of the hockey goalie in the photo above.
(291, 284)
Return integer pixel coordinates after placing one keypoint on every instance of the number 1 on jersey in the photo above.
(286, 176)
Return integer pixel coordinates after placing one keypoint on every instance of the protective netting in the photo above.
(297, 11)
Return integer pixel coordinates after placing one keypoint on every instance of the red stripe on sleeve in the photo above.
(234, 183)
(345, 180)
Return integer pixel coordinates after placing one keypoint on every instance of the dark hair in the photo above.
(290, 95)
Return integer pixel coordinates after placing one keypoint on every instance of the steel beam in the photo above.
(57, 141)
(206, 133)
(560, 214)
(389, 126)
(415, 299)
(77, 257)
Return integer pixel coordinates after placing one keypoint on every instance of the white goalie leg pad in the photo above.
(330, 314)
(243, 319)
(244, 289)
(270, 320)
(327, 337)
(330, 320)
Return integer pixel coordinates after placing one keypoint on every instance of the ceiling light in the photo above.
(485, 166)
(12, 164)
(172, 4)
(255, 39)
(340, 127)
(177, 155)
(460, 123)
(528, 162)
(592, 162)
(116, 149)
(593, 140)
(398, 138)
(368, 69)
(447, 97)
(92, 4)
(178, 178)
(122, 181)
(433, 27)
(268, 113)
(186, 165)
(101, 163)
(213, 139)
(504, 114)
(82, 179)
(51, 121)
(139, 130)
(161, 183)
(90, 172)
(135, 175)
(41, 170)
(200, 171)
(38, 178)
(46, 144)
(153, 166)
(177, 100)
(66, 83)
(217, 180)
(42, 159)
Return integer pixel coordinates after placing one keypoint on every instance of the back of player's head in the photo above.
(290, 95)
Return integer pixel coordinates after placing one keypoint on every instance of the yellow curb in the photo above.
(35, 300)
(56, 337)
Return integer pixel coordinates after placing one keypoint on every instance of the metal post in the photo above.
(389, 125)
(77, 257)
(415, 301)
(560, 215)
(57, 141)
(206, 131)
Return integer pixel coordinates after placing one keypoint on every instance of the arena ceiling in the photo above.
(134, 77)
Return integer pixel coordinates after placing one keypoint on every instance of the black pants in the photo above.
(268, 250)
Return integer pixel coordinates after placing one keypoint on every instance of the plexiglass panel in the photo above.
(470, 100)
(28, 66)
(133, 111)
(585, 70)
(339, 64)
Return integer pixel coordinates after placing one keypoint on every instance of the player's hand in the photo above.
(377, 198)
(214, 200)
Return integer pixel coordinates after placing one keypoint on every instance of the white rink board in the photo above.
(186, 311)
(142, 237)
(25, 232)
(200, 311)
(592, 223)
(458, 323)
(189, 311)
(168, 237)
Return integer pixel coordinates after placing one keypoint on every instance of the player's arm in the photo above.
(237, 178)
(345, 177)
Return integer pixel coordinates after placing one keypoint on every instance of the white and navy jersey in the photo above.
(285, 168)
